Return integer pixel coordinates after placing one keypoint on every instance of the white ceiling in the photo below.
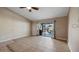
(42, 13)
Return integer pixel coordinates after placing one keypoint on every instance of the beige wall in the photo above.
(13, 25)
(34, 28)
(73, 37)
(61, 26)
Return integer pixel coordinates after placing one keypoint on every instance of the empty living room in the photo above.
(39, 29)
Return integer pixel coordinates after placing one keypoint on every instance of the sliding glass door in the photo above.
(48, 29)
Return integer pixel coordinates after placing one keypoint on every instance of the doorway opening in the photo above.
(46, 29)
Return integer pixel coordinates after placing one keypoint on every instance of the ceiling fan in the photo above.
(30, 9)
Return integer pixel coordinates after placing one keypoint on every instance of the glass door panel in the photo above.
(48, 30)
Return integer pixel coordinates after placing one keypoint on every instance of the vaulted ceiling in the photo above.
(42, 13)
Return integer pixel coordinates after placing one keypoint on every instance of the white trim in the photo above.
(69, 48)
